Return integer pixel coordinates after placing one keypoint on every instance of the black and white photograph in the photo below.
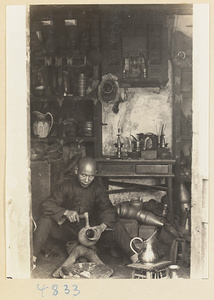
(107, 170)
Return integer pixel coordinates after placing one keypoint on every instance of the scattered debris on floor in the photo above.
(54, 254)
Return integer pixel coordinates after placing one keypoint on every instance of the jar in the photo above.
(81, 85)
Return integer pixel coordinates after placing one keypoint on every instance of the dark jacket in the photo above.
(70, 195)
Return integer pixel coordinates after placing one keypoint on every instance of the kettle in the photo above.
(147, 255)
(88, 236)
(42, 127)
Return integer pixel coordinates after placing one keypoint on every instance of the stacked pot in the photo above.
(86, 128)
(81, 85)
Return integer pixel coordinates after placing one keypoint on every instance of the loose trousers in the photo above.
(69, 232)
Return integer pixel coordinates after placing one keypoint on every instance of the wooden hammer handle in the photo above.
(85, 216)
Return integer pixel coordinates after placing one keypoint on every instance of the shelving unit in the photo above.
(79, 110)
(58, 58)
(134, 46)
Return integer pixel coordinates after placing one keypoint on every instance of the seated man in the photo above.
(62, 209)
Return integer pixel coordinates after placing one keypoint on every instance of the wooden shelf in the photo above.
(77, 98)
(52, 98)
(45, 140)
(142, 82)
(74, 139)
(75, 61)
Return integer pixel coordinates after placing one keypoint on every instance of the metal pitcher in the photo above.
(147, 254)
(42, 126)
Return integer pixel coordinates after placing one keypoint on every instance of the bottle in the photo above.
(118, 144)
(143, 66)
(165, 208)
(126, 67)
(162, 141)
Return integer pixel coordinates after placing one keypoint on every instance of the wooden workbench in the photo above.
(139, 168)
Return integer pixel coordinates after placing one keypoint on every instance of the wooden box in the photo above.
(149, 154)
(44, 175)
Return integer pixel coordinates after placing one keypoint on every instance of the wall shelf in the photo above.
(142, 82)
(78, 139)
(49, 139)
(51, 98)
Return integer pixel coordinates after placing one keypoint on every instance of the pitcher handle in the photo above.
(135, 238)
(48, 113)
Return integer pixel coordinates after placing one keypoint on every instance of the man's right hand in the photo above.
(72, 216)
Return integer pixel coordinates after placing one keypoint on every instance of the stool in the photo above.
(150, 271)
(177, 250)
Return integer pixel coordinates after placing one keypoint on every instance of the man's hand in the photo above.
(72, 216)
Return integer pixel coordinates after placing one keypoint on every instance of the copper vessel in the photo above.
(149, 218)
(147, 254)
(128, 211)
(88, 236)
(184, 198)
(173, 271)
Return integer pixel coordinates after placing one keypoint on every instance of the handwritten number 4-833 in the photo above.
(55, 290)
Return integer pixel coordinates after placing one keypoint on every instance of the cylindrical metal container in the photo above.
(86, 128)
(81, 85)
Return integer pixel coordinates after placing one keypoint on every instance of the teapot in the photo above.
(88, 236)
(147, 255)
(42, 127)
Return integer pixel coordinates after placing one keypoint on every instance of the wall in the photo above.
(148, 109)
(145, 112)
(200, 205)
(18, 197)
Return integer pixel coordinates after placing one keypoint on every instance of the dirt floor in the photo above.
(49, 261)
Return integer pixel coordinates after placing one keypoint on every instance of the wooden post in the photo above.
(200, 139)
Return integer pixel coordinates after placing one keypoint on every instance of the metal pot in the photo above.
(88, 236)
(136, 203)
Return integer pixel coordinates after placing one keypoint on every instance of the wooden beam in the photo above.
(127, 190)
(137, 185)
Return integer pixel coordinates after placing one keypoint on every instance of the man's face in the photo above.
(86, 175)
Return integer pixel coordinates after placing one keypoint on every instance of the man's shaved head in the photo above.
(87, 164)
(86, 170)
